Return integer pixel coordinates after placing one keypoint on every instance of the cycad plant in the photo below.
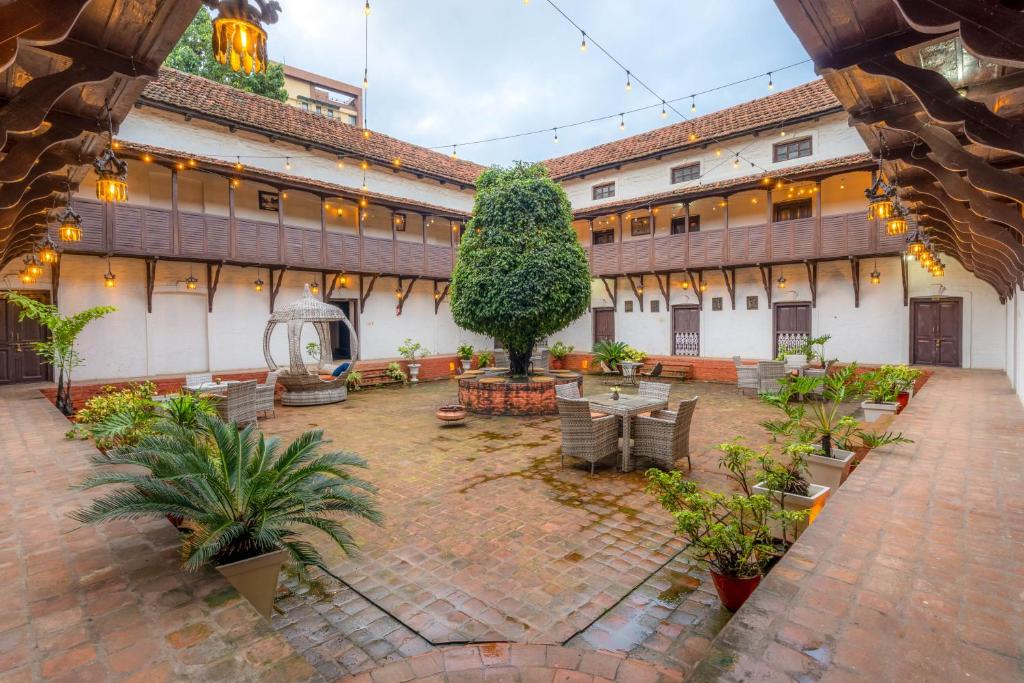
(611, 353)
(240, 494)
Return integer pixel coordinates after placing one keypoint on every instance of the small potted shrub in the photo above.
(394, 372)
(411, 350)
(558, 353)
(905, 378)
(354, 380)
(728, 534)
(881, 387)
(785, 483)
(465, 354)
(485, 359)
(248, 503)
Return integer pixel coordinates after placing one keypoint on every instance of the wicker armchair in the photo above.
(567, 390)
(238, 404)
(198, 379)
(746, 375)
(584, 436)
(769, 372)
(665, 436)
(265, 394)
(795, 361)
(655, 390)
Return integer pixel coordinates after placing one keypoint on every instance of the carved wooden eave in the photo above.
(937, 89)
(64, 65)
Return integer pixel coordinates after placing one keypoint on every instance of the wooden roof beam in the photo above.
(987, 27)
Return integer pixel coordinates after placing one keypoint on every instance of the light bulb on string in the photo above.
(366, 80)
(366, 8)
(771, 86)
(583, 43)
(455, 152)
(287, 164)
(664, 113)
(629, 83)
(556, 135)
(341, 163)
(622, 122)
(693, 103)
(736, 162)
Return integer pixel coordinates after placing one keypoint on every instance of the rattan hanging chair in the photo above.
(302, 387)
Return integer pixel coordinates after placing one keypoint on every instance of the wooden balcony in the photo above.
(127, 230)
(827, 237)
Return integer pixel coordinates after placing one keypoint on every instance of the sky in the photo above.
(452, 71)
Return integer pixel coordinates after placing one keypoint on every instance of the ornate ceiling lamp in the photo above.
(915, 244)
(191, 282)
(33, 267)
(109, 279)
(48, 251)
(896, 224)
(880, 195)
(25, 277)
(239, 39)
(70, 223)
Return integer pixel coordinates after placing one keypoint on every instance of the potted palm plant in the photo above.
(465, 354)
(246, 500)
(410, 351)
(785, 483)
(728, 534)
(823, 422)
(610, 354)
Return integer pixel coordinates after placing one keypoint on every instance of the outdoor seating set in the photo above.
(236, 401)
(593, 425)
(764, 377)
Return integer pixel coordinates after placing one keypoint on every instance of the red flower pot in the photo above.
(733, 592)
(901, 401)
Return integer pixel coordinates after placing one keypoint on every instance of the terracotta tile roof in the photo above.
(850, 162)
(204, 97)
(136, 150)
(804, 100)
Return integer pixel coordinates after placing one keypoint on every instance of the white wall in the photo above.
(831, 137)
(163, 129)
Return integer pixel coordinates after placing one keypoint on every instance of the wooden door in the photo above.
(686, 330)
(792, 325)
(936, 328)
(604, 324)
(18, 360)
(341, 336)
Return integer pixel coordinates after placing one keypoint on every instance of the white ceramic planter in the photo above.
(467, 364)
(414, 373)
(830, 472)
(813, 503)
(256, 579)
(874, 411)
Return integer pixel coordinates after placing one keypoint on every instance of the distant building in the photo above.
(325, 96)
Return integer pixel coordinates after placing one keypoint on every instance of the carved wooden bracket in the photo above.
(35, 22)
(855, 278)
(22, 155)
(638, 290)
(766, 282)
(905, 279)
(55, 282)
(812, 280)
(365, 294)
(665, 288)
(439, 296)
(329, 288)
(696, 284)
(404, 294)
(150, 283)
(988, 28)
(729, 274)
(613, 290)
(275, 286)
(213, 279)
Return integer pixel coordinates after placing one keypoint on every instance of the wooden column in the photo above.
(232, 222)
(175, 217)
(323, 232)
(686, 232)
(282, 249)
(817, 219)
(769, 215)
(725, 230)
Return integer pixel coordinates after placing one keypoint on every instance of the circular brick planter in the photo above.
(498, 395)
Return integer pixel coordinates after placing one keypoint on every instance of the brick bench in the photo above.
(669, 370)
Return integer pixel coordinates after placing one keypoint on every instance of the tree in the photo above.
(59, 350)
(194, 54)
(521, 274)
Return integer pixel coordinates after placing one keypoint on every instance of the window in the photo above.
(716, 303)
(603, 237)
(655, 306)
(680, 174)
(330, 113)
(305, 106)
(751, 303)
(319, 109)
(641, 225)
(790, 211)
(627, 307)
(784, 151)
(679, 224)
(603, 191)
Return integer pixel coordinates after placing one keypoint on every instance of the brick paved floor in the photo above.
(915, 570)
(107, 603)
(487, 539)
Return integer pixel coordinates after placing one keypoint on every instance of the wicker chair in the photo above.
(795, 361)
(265, 394)
(238, 403)
(665, 436)
(500, 358)
(198, 379)
(746, 375)
(571, 390)
(769, 372)
(656, 390)
(584, 436)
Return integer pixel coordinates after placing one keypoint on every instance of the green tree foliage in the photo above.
(521, 274)
(194, 54)
(59, 350)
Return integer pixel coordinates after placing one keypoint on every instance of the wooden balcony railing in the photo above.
(130, 230)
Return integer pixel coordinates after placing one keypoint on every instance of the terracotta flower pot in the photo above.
(732, 591)
(256, 579)
(452, 413)
(901, 401)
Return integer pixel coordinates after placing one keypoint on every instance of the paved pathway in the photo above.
(915, 571)
(107, 603)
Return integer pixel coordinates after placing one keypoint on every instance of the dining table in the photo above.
(627, 406)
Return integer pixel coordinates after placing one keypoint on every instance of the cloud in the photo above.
(450, 71)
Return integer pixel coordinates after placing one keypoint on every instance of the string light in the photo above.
(341, 163)
(238, 163)
(771, 86)
(287, 164)
(693, 103)
(664, 112)
(366, 8)
(622, 122)
(736, 162)
(556, 136)
(629, 84)
(583, 43)
(455, 152)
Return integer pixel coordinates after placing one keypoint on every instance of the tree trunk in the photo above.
(826, 445)
(64, 394)
(519, 361)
